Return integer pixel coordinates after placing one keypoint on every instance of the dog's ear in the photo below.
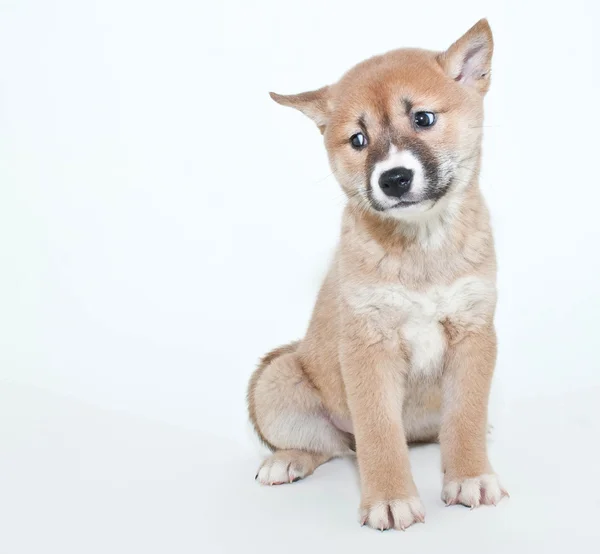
(314, 104)
(469, 59)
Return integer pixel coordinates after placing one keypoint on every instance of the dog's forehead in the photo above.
(388, 82)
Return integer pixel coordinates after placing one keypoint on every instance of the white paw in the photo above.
(395, 514)
(475, 491)
(278, 472)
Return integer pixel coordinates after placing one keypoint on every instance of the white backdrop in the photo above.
(163, 223)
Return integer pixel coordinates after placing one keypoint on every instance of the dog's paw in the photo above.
(474, 491)
(393, 514)
(282, 468)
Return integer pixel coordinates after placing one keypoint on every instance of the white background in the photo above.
(163, 223)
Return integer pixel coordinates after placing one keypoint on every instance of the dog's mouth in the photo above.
(404, 204)
(399, 205)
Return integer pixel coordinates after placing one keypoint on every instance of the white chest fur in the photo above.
(418, 316)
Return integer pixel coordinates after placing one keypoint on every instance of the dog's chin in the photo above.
(403, 209)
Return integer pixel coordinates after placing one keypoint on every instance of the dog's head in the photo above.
(403, 130)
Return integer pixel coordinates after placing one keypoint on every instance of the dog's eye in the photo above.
(424, 119)
(358, 141)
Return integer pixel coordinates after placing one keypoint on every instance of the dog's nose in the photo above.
(396, 181)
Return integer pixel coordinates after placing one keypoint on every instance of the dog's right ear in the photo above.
(314, 104)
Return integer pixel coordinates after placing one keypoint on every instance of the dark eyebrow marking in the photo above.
(362, 124)
(408, 105)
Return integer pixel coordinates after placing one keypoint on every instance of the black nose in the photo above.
(396, 181)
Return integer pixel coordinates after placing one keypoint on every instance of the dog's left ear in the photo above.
(314, 104)
(469, 59)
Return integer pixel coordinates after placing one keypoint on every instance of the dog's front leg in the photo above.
(468, 475)
(374, 380)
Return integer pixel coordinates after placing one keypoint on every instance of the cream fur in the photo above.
(401, 345)
(418, 316)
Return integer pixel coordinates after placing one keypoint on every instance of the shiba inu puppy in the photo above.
(401, 346)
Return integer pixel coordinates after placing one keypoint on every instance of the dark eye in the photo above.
(424, 119)
(358, 141)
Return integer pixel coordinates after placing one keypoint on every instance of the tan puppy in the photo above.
(401, 346)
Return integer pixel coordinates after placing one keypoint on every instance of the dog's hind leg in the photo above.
(290, 418)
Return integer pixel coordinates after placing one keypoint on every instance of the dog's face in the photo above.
(403, 130)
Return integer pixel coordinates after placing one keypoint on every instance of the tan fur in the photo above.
(356, 370)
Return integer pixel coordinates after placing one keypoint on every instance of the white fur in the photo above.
(313, 432)
(402, 158)
(276, 472)
(404, 513)
(432, 230)
(485, 489)
(418, 315)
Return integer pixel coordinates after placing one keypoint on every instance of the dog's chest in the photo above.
(421, 318)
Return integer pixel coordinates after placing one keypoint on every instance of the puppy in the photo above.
(401, 346)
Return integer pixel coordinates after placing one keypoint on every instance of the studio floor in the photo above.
(78, 479)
